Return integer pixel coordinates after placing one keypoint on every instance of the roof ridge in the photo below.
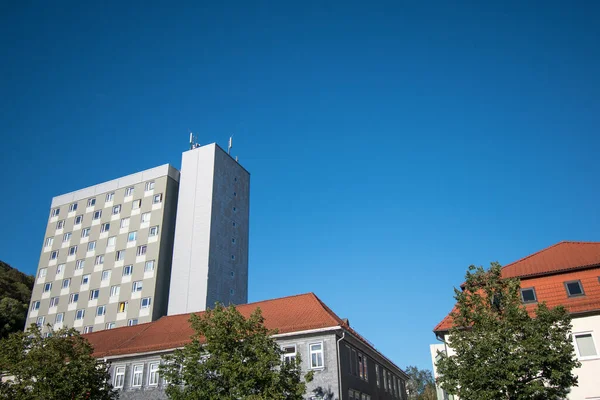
(534, 254)
(330, 311)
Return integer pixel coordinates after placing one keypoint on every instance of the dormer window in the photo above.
(528, 295)
(574, 288)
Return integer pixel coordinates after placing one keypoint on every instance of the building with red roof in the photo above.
(567, 274)
(345, 365)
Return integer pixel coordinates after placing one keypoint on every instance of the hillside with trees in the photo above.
(15, 294)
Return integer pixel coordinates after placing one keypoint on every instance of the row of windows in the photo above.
(359, 367)
(315, 351)
(85, 232)
(87, 329)
(85, 279)
(115, 290)
(573, 288)
(145, 217)
(356, 395)
(100, 311)
(137, 375)
(91, 202)
(91, 246)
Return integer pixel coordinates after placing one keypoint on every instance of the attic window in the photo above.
(574, 288)
(528, 295)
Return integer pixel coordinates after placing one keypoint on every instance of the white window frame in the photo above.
(67, 281)
(78, 220)
(149, 262)
(153, 231)
(129, 191)
(60, 268)
(116, 210)
(35, 305)
(49, 285)
(42, 319)
(94, 294)
(134, 380)
(49, 241)
(153, 373)
(130, 322)
(144, 215)
(99, 260)
(128, 268)
(142, 307)
(67, 237)
(124, 222)
(137, 286)
(91, 202)
(88, 329)
(73, 298)
(62, 318)
(157, 198)
(109, 196)
(105, 275)
(149, 186)
(112, 239)
(110, 325)
(54, 301)
(79, 314)
(105, 227)
(583, 358)
(141, 250)
(73, 250)
(310, 354)
(43, 272)
(130, 235)
(54, 255)
(103, 308)
(91, 246)
(289, 357)
(60, 224)
(85, 232)
(115, 290)
(55, 212)
(136, 204)
(97, 215)
(85, 278)
(119, 380)
(125, 306)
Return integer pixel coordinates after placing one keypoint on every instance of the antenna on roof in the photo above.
(230, 145)
(193, 144)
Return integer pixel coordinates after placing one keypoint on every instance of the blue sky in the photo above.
(391, 144)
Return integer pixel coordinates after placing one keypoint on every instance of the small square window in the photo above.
(97, 214)
(574, 288)
(111, 241)
(145, 302)
(120, 255)
(153, 231)
(67, 237)
(132, 322)
(157, 198)
(89, 329)
(85, 232)
(149, 266)
(60, 224)
(115, 290)
(54, 302)
(100, 311)
(137, 286)
(528, 295)
(99, 260)
(60, 268)
(59, 318)
(55, 212)
(79, 314)
(79, 264)
(141, 250)
(78, 220)
(73, 297)
(110, 196)
(43, 272)
(110, 325)
(66, 283)
(35, 305)
(136, 204)
(122, 307)
(94, 294)
(585, 345)
(132, 236)
(85, 279)
(91, 202)
(73, 250)
(91, 246)
(105, 275)
(40, 321)
(146, 217)
(129, 191)
(105, 227)
(47, 287)
(149, 186)
(48, 242)
(73, 207)
(124, 222)
(127, 270)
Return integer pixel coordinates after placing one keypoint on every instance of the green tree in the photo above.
(420, 385)
(15, 293)
(231, 357)
(58, 367)
(501, 351)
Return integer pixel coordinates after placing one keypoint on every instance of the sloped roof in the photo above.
(287, 314)
(548, 269)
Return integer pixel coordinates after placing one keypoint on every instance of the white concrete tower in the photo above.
(210, 253)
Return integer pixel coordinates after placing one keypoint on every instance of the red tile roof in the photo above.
(548, 269)
(287, 314)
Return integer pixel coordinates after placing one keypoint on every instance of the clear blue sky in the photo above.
(390, 144)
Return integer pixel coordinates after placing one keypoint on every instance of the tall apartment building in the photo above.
(107, 255)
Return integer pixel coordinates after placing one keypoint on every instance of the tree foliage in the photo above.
(420, 385)
(15, 293)
(501, 351)
(58, 367)
(231, 357)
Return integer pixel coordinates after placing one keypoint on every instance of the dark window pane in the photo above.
(528, 295)
(574, 288)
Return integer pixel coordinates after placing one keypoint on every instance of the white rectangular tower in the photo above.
(210, 253)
